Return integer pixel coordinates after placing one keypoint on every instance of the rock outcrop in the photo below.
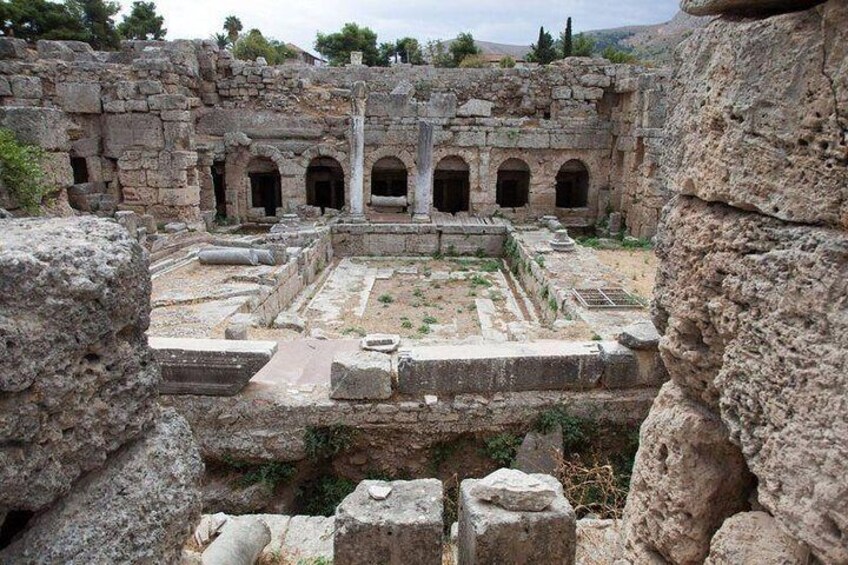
(91, 469)
(751, 292)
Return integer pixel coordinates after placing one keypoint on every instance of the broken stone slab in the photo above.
(241, 542)
(514, 490)
(235, 331)
(136, 508)
(289, 321)
(382, 343)
(755, 537)
(175, 227)
(744, 7)
(215, 367)
(227, 256)
(640, 336)
(491, 534)
(209, 526)
(362, 375)
(475, 108)
(403, 529)
(562, 241)
(540, 452)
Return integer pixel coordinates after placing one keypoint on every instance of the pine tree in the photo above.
(543, 51)
(567, 42)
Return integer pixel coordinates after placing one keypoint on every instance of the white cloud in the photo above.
(500, 21)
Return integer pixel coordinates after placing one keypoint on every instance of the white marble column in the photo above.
(424, 181)
(357, 150)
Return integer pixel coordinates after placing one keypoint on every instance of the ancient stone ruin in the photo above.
(576, 313)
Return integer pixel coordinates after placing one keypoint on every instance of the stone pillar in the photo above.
(392, 523)
(512, 517)
(424, 182)
(241, 543)
(357, 149)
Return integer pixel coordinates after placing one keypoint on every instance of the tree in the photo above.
(232, 25)
(222, 40)
(142, 22)
(584, 46)
(543, 51)
(614, 55)
(567, 41)
(337, 47)
(97, 18)
(463, 46)
(437, 55)
(253, 45)
(507, 62)
(409, 51)
(387, 54)
(473, 62)
(40, 19)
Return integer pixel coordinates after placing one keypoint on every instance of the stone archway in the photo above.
(572, 185)
(513, 184)
(452, 185)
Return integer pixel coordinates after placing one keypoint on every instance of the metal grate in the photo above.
(606, 298)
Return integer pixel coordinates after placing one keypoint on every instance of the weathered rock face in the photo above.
(754, 537)
(138, 509)
(687, 479)
(762, 113)
(76, 377)
(743, 7)
(754, 274)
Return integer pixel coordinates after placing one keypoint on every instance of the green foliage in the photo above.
(543, 51)
(233, 27)
(478, 280)
(506, 62)
(438, 57)
(596, 337)
(324, 442)
(21, 171)
(404, 50)
(592, 242)
(354, 330)
(502, 448)
(98, 22)
(40, 19)
(553, 304)
(441, 452)
(462, 47)
(490, 266)
(221, 40)
(540, 260)
(636, 243)
(438, 255)
(271, 473)
(385, 299)
(473, 62)
(451, 252)
(567, 40)
(337, 47)
(424, 329)
(254, 44)
(406, 323)
(430, 320)
(614, 55)
(321, 496)
(577, 433)
(142, 22)
(584, 46)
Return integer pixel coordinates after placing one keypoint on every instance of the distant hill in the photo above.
(649, 43)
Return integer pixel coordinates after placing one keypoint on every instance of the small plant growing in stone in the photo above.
(479, 253)
(596, 337)
(478, 280)
(451, 252)
(354, 330)
(496, 296)
(418, 293)
(540, 260)
(321, 496)
(385, 299)
(438, 255)
(324, 442)
(424, 329)
(427, 272)
(490, 266)
(21, 171)
(553, 304)
(430, 320)
(502, 448)
(406, 323)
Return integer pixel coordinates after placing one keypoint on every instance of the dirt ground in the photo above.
(637, 266)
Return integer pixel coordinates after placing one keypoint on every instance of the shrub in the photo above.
(507, 62)
(473, 62)
(323, 442)
(490, 266)
(430, 320)
(424, 329)
(385, 299)
(321, 496)
(577, 433)
(502, 448)
(270, 473)
(477, 280)
(21, 171)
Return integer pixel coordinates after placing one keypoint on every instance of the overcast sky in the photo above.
(501, 21)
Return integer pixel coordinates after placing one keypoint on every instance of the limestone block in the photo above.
(514, 490)
(361, 375)
(561, 93)
(235, 331)
(587, 93)
(64, 50)
(79, 97)
(491, 534)
(45, 127)
(26, 87)
(137, 509)
(131, 131)
(475, 108)
(5, 87)
(754, 538)
(441, 105)
(540, 452)
(743, 7)
(641, 335)
(228, 256)
(686, 480)
(76, 375)
(241, 542)
(11, 48)
(751, 326)
(57, 170)
(787, 142)
(404, 528)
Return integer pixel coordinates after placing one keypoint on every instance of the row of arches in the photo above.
(325, 183)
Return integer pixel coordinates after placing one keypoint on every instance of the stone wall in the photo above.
(148, 124)
(91, 469)
(751, 296)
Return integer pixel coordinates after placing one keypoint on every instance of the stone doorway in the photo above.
(451, 186)
(572, 185)
(325, 185)
(513, 184)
